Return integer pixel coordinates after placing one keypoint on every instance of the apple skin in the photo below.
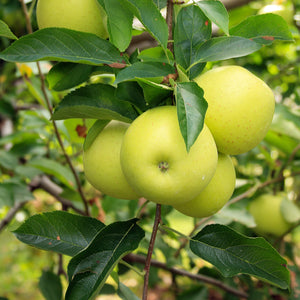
(82, 15)
(215, 195)
(155, 161)
(266, 212)
(240, 108)
(284, 11)
(101, 163)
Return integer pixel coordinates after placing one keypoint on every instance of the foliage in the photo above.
(90, 81)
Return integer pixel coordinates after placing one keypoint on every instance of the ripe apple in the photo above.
(240, 108)
(267, 214)
(156, 163)
(215, 195)
(286, 11)
(81, 15)
(101, 162)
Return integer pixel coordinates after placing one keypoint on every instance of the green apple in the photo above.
(101, 162)
(215, 195)
(156, 163)
(286, 11)
(240, 108)
(82, 15)
(267, 214)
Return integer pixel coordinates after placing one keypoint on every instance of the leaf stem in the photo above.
(150, 251)
(59, 139)
(175, 231)
(129, 266)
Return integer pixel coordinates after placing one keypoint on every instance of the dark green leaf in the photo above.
(161, 3)
(119, 23)
(50, 286)
(225, 47)
(52, 167)
(64, 76)
(89, 269)
(191, 31)
(96, 101)
(130, 91)
(8, 160)
(61, 44)
(149, 15)
(94, 132)
(233, 253)
(216, 12)
(125, 293)
(191, 109)
(145, 70)
(59, 231)
(263, 29)
(12, 192)
(6, 32)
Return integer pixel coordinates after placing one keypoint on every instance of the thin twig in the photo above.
(150, 250)
(59, 139)
(134, 258)
(169, 20)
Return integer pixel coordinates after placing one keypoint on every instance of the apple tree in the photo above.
(129, 121)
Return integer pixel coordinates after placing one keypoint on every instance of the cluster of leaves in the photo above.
(143, 79)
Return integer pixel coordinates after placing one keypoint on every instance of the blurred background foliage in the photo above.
(28, 144)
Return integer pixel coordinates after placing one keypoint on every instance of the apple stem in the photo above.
(150, 250)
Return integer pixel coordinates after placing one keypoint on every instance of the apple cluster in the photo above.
(148, 158)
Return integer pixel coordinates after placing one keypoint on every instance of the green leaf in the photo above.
(233, 253)
(125, 293)
(95, 101)
(59, 231)
(54, 168)
(263, 29)
(119, 23)
(216, 12)
(225, 47)
(156, 54)
(12, 192)
(192, 29)
(61, 44)
(191, 109)
(6, 32)
(145, 70)
(149, 15)
(94, 131)
(89, 269)
(8, 160)
(64, 76)
(50, 286)
(160, 3)
(290, 211)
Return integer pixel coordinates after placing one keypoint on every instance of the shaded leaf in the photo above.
(119, 23)
(95, 101)
(216, 12)
(50, 286)
(263, 29)
(233, 253)
(145, 70)
(59, 231)
(61, 44)
(156, 54)
(225, 47)
(91, 267)
(192, 29)
(191, 109)
(149, 15)
(6, 32)
(52, 167)
(125, 293)
(64, 76)
(160, 3)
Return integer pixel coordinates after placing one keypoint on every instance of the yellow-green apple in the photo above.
(284, 10)
(101, 162)
(240, 108)
(267, 214)
(156, 163)
(82, 15)
(215, 195)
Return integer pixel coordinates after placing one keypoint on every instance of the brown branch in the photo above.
(44, 91)
(134, 258)
(169, 20)
(150, 251)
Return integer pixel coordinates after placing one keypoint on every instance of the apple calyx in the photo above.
(163, 166)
